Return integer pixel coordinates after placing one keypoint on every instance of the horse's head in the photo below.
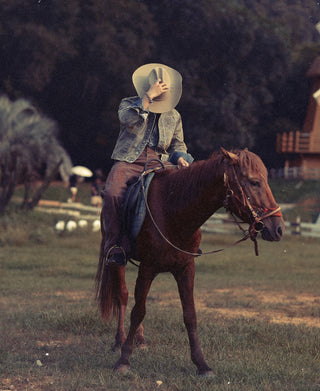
(249, 196)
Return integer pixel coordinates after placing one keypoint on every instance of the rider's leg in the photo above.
(113, 196)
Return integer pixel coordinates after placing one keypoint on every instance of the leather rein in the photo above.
(256, 216)
(244, 206)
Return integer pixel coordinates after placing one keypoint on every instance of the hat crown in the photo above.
(148, 74)
(158, 73)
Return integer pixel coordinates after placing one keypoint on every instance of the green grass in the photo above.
(294, 190)
(305, 194)
(258, 317)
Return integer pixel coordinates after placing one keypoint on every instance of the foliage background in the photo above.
(243, 64)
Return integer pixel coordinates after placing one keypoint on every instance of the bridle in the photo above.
(244, 207)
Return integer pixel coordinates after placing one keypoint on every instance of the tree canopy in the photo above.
(243, 64)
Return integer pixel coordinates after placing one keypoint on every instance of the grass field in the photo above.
(258, 317)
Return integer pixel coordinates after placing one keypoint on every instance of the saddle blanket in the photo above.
(134, 209)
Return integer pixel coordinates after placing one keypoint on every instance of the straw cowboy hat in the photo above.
(147, 74)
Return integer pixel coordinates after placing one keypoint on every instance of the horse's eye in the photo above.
(254, 183)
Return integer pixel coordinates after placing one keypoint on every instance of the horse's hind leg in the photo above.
(138, 312)
(122, 296)
(185, 281)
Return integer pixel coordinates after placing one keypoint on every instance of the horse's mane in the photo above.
(184, 185)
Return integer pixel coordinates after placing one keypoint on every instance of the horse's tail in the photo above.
(107, 286)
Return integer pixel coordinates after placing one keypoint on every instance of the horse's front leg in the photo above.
(140, 341)
(138, 312)
(185, 281)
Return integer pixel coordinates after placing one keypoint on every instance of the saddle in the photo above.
(134, 206)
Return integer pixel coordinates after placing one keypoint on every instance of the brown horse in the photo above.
(180, 201)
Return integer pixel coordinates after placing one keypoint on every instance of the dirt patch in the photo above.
(12, 304)
(271, 316)
(73, 295)
(22, 384)
(56, 343)
(280, 308)
(251, 303)
(70, 295)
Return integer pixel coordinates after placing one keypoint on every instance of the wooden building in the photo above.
(302, 148)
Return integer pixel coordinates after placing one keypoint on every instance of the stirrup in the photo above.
(118, 258)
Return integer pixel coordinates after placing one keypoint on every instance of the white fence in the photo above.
(304, 229)
(223, 224)
(220, 223)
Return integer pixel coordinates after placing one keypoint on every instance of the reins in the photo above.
(256, 226)
(198, 254)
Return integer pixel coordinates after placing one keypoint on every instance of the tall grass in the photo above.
(52, 336)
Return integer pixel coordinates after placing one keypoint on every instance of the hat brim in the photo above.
(170, 99)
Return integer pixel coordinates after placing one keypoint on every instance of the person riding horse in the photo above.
(150, 128)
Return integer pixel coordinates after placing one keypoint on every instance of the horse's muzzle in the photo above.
(273, 232)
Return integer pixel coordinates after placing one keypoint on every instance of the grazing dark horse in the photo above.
(180, 202)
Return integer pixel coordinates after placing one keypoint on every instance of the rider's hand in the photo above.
(157, 89)
(182, 163)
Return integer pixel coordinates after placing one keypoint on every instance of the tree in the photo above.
(29, 150)
(75, 59)
(232, 62)
(239, 60)
(113, 38)
(243, 63)
(36, 36)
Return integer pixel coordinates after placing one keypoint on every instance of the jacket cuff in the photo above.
(176, 155)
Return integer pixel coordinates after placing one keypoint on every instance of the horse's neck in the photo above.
(199, 194)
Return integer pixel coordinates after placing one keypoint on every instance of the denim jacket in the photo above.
(133, 137)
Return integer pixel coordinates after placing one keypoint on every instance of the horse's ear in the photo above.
(230, 156)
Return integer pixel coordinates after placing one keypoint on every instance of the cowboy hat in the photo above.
(148, 74)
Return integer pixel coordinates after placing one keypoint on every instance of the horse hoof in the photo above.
(207, 374)
(142, 346)
(141, 343)
(122, 369)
